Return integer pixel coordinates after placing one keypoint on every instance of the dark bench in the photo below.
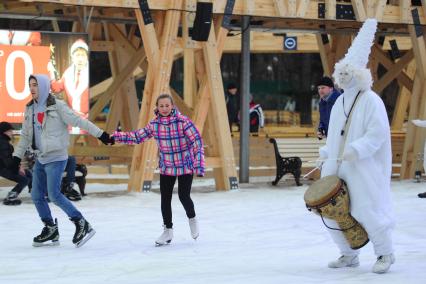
(286, 165)
(295, 155)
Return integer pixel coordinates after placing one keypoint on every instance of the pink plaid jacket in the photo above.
(178, 140)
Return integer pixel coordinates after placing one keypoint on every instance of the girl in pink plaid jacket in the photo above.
(181, 155)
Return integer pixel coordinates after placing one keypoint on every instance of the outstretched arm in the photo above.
(133, 137)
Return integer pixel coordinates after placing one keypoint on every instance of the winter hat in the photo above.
(356, 59)
(231, 86)
(326, 81)
(5, 126)
(80, 43)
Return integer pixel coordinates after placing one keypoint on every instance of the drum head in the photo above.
(322, 190)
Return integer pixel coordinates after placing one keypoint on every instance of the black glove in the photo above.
(15, 164)
(106, 139)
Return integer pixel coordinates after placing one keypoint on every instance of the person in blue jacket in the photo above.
(328, 95)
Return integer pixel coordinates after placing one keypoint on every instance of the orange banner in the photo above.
(16, 64)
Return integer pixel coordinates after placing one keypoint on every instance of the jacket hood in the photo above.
(43, 88)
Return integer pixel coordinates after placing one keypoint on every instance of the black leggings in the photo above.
(184, 190)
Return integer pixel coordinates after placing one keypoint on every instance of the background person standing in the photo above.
(328, 95)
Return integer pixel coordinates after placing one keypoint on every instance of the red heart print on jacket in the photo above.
(40, 117)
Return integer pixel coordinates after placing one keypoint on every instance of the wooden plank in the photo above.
(381, 55)
(303, 6)
(248, 6)
(403, 101)
(103, 100)
(261, 7)
(204, 95)
(218, 105)
(359, 10)
(292, 8)
(392, 73)
(405, 5)
(380, 9)
(330, 9)
(162, 69)
(280, 8)
(324, 51)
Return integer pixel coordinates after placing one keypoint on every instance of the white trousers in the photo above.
(381, 240)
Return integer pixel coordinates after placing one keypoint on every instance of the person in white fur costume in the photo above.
(366, 162)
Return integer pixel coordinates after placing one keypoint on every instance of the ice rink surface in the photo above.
(256, 234)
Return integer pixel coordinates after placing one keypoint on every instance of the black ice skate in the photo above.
(83, 232)
(70, 193)
(12, 199)
(49, 235)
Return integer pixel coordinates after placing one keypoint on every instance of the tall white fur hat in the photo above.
(356, 58)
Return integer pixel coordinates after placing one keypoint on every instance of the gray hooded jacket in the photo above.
(52, 139)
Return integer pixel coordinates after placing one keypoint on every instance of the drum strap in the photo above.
(345, 129)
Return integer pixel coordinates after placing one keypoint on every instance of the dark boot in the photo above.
(70, 193)
(12, 199)
(422, 195)
(49, 235)
(83, 232)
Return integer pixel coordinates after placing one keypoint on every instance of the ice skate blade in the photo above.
(12, 202)
(46, 244)
(89, 235)
(157, 244)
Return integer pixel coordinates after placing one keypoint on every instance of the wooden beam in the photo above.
(261, 7)
(380, 9)
(392, 73)
(292, 8)
(103, 100)
(303, 6)
(204, 95)
(160, 58)
(280, 8)
(324, 51)
(330, 9)
(382, 57)
(124, 107)
(359, 10)
(219, 110)
(403, 101)
(405, 5)
(248, 7)
(103, 45)
(414, 140)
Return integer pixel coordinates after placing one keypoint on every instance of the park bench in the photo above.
(295, 155)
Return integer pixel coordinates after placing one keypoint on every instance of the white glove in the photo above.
(418, 122)
(319, 162)
(349, 155)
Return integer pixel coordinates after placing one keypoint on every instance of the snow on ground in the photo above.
(257, 234)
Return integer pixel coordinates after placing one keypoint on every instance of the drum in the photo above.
(329, 198)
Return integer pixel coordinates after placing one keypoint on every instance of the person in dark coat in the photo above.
(232, 99)
(328, 95)
(7, 170)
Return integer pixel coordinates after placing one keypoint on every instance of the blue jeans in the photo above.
(70, 170)
(47, 180)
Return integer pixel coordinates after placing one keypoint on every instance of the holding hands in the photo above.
(106, 139)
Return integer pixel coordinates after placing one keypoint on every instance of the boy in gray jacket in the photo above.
(45, 129)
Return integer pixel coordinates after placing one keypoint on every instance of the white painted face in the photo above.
(345, 75)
